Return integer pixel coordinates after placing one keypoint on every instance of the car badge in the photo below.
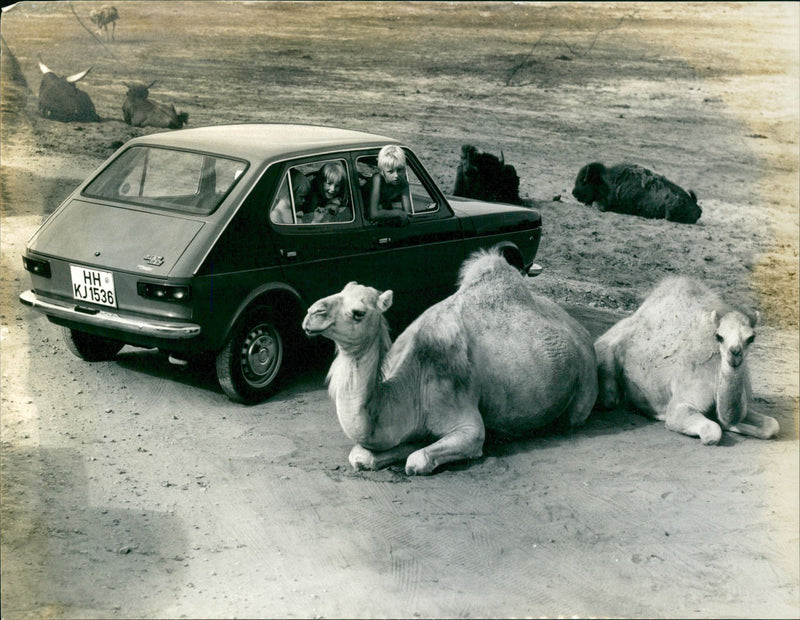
(154, 260)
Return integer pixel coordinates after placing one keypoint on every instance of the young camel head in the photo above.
(734, 333)
(353, 318)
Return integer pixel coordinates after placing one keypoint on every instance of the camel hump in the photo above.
(481, 265)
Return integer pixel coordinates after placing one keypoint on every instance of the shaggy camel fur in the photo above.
(492, 356)
(680, 358)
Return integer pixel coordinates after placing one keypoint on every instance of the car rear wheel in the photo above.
(251, 364)
(90, 347)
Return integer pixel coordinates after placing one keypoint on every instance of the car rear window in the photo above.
(170, 179)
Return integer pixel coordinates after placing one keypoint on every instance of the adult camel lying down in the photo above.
(681, 358)
(492, 356)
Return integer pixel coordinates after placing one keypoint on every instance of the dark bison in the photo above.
(140, 111)
(104, 16)
(61, 100)
(485, 177)
(632, 189)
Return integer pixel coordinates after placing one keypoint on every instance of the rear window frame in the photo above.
(175, 208)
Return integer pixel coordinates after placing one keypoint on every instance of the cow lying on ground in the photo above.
(140, 111)
(632, 189)
(485, 177)
(61, 100)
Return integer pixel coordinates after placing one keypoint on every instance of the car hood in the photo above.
(120, 238)
(491, 215)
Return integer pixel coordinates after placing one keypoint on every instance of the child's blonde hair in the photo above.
(333, 172)
(391, 156)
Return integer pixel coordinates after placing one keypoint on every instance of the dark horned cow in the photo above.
(140, 111)
(485, 177)
(634, 190)
(104, 16)
(61, 100)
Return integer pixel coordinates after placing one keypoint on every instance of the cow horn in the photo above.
(43, 67)
(502, 159)
(150, 85)
(78, 76)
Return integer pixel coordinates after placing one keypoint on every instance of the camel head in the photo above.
(734, 334)
(353, 318)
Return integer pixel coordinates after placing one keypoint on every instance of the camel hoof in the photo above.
(711, 437)
(771, 428)
(361, 459)
(418, 464)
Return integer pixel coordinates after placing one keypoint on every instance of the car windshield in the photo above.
(167, 179)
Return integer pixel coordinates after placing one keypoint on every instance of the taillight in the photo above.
(37, 266)
(164, 292)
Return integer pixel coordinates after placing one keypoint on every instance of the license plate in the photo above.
(93, 285)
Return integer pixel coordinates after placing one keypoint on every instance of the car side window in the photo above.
(421, 200)
(314, 193)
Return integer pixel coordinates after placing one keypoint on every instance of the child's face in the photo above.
(393, 174)
(331, 188)
(300, 195)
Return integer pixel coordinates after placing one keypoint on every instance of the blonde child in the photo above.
(389, 196)
(329, 199)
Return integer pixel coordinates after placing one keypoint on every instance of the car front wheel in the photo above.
(90, 347)
(251, 363)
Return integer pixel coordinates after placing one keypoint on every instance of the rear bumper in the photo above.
(102, 319)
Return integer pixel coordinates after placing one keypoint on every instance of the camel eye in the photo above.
(719, 338)
(358, 314)
(751, 339)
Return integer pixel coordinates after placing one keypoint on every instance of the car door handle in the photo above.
(383, 241)
(289, 254)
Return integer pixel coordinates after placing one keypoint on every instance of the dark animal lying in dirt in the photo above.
(631, 189)
(61, 100)
(485, 177)
(104, 16)
(140, 111)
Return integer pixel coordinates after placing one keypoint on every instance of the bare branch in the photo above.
(526, 61)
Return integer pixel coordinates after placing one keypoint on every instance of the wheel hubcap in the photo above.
(261, 355)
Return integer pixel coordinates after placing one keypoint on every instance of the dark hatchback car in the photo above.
(176, 243)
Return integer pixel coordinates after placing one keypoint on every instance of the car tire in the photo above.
(90, 347)
(251, 364)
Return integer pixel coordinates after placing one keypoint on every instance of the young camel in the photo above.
(680, 358)
(492, 356)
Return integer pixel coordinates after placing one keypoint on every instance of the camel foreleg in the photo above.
(682, 417)
(363, 458)
(756, 425)
(465, 442)
(609, 351)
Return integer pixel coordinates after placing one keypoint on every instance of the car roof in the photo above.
(264, 141)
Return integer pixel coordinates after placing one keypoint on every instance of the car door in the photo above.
(320, 249)
(419, 261)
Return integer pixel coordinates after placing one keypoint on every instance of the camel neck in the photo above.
(730, 392)
(354, 378)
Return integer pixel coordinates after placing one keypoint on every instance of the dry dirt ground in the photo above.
(135, 489)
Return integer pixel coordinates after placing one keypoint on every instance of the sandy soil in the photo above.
(135, 489)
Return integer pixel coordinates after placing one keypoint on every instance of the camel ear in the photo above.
(715, 317)
(385, 300)
(755, 319)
